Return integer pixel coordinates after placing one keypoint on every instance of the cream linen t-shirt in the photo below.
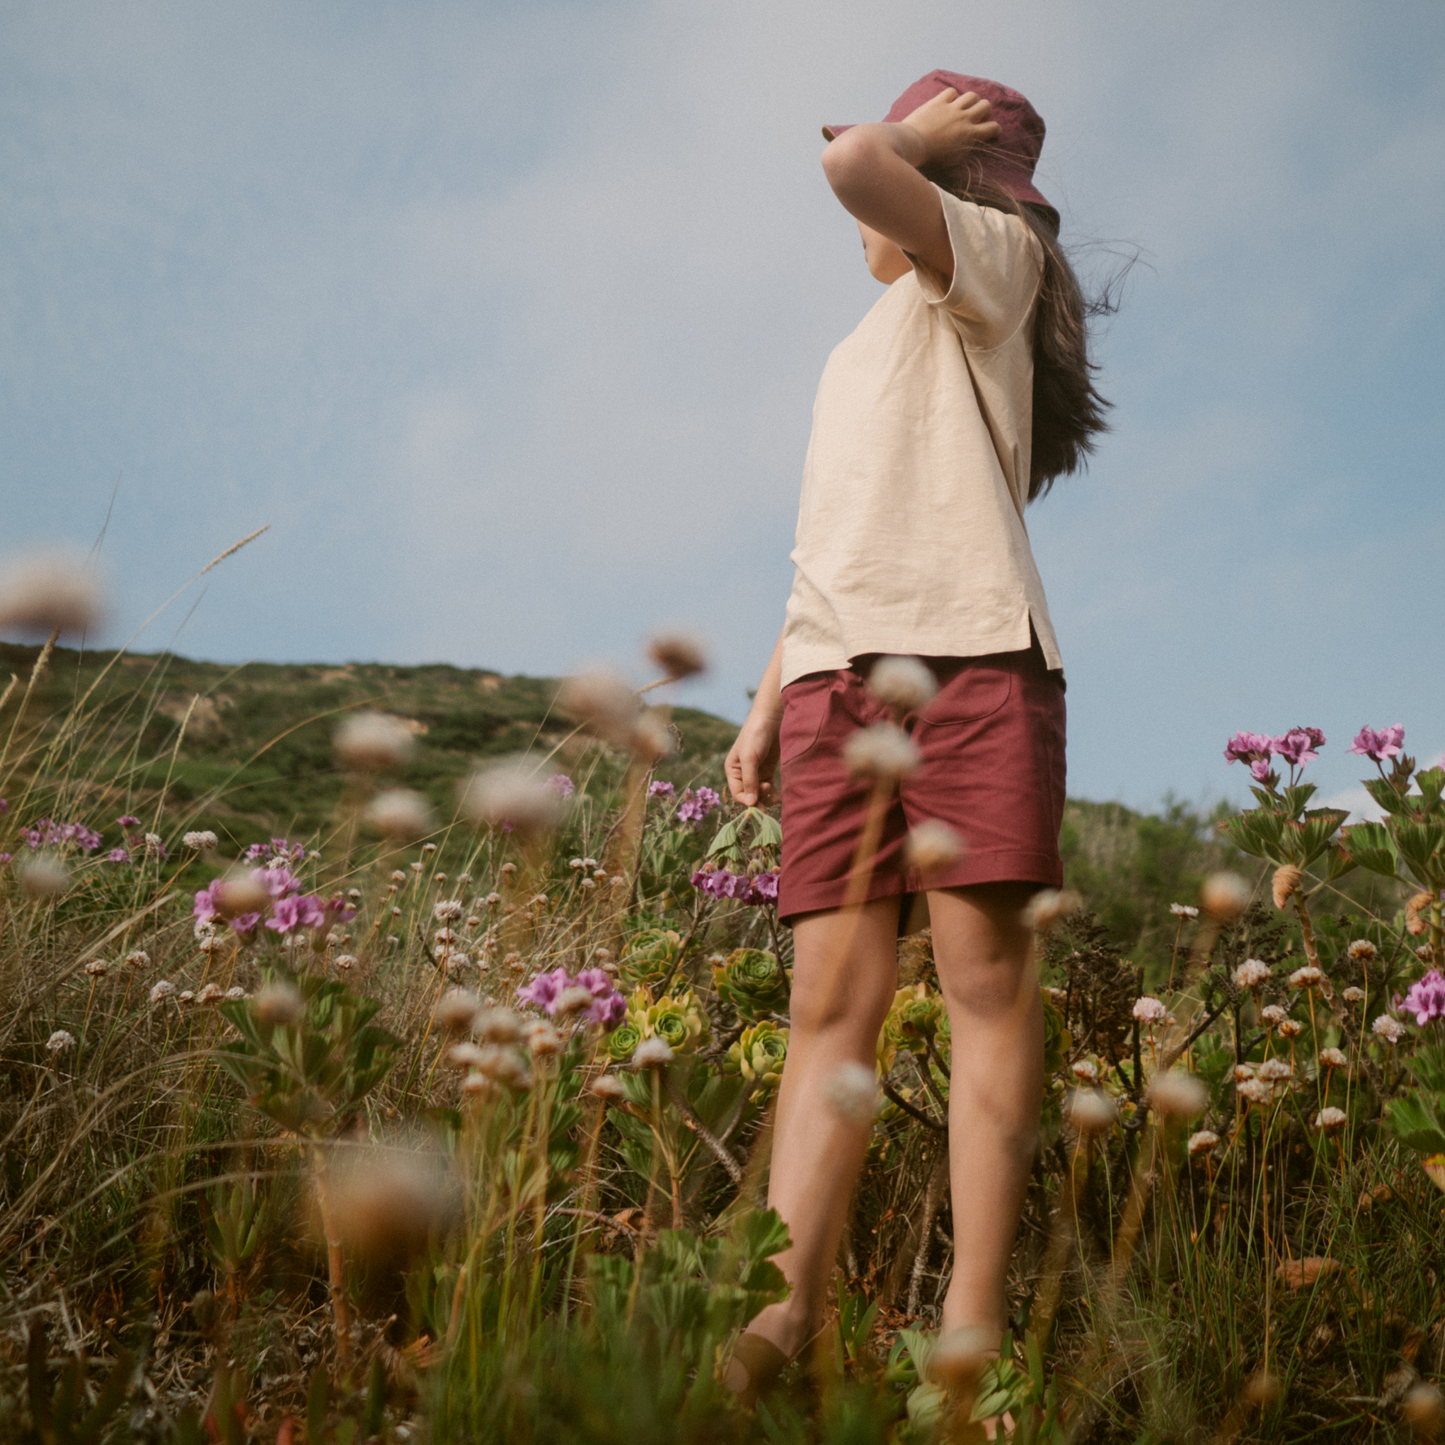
(911, 535)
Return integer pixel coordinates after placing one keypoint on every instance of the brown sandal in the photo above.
(754, 1368)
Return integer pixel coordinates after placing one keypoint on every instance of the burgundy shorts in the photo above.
(992, 745)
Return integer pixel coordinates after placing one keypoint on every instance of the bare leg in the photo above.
(985, 968)
(841, 995)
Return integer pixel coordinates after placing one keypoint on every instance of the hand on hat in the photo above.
(949, 124)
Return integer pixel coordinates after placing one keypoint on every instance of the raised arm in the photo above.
(874, 172)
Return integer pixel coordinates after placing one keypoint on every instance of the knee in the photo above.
(836, 1010)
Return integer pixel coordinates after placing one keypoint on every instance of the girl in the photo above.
(960, 397)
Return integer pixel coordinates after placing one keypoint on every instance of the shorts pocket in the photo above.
(805, 710)
(972, 693)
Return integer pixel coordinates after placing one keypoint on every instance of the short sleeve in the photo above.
(997, 266)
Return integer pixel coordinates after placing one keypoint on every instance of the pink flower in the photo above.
(1426, 999)
(660, 789)
(696, 804)
(278, 882)
(287, 913)
(128, 820)
(117, 855)
(561, 784)
(1248, 748)
(1378, 744)
(341, 907)
(1298, 746)
(208, 899)
(543, 990)
(243, 923)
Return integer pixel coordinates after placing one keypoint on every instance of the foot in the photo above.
(754, 1368)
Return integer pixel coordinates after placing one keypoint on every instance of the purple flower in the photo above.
(341, 907)
(285, 915)
(208, 899)
(608, 1011)
(256, 852)
(243, 923)
(1378, 744)
(1426, 999)
(117, 855)
(1248, 748)
(562, 785)
(278, 882)
(1298, 746)
(696, 804)
(1259, 770)
(543, 989)
(5, 857)
(765, 885)
(659, 789)
(595, 981)
(49, 834)
(721, 883)
(4, 806)
(128, 820)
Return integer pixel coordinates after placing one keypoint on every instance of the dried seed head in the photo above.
(448, 910)
(1290, 1029)
(652, 1053)
(1255, 1091)
(372, 740)
(97, 968)
(1329, 1119)
(1286, 883)
(1415, 921)
(678, 654)
(44, 877)
(542, 1039)
(1178, 1095)
(602, 703)
(1307, 977)
(1224, 896)
(456, 1012)
(503, 1065)
(60, 1041)
(138, 958)
(1243, 1072)
(852, 1092)
(1252, 973)
(1273, 1071)
(162, 990)
(1085, 1071)
(400, 813)
(1049, 905)
(1150, 1011)
(1362, 951)
(277, 1003)
(1205, 1141)
(883, 751)
(1183, 910)
(608, 1087)
(209, 993)
(498, 1026)
(1272, 1015)
(202, 842)
(933, 846)
(904, 683)
(1391, 1030)
(1261, 1389)
(571, 1001)
(1090, 1111)
(1353, 994)
(511, 794)
(465, 1056)
(46, 592)
(239, 893)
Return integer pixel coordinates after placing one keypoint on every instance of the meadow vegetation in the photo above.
(389, 1053)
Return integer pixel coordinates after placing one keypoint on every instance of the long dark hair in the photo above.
(1068, 409)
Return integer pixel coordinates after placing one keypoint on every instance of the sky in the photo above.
(507, 319)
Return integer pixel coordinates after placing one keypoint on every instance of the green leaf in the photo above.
(1369, 844)
(1431, 782)
(1417, 844)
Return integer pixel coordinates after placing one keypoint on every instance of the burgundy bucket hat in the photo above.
(1009, 160)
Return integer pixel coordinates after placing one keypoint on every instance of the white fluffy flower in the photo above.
(852, 1092)
(1204, 1141)
(1274, 1071)
(1330, 1118)
(1272, 1015)
(1252, 973)
(652, 1052)
(59, 1041)
(904, 683)
(1307, 977)
(400, 813)
(202, 841)
(1091, 1111)
(1183, 910)
(1362, 950)
(48, 591)
(1178, 1095)
(1085, 1071)
(1150, 1010)
(163, 990)
(139, 958)
(209, 993)
(882, 751)
(498, 1026)
(1353, 995)
(609, 1087)
(44, 877)
(1255, 1091)
(1049, 905)
(97, 968)
(448, 910)
(1391, 1030)
(278, 1003)
(1224, 896)
(512, 793)
(370, 740)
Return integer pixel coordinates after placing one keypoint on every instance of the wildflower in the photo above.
(1285, 883)
(1426, 953)
(1426, 998)
(44, 877)
(202, 841)
(608, 1087)
(448, 910)
(659, 789)
(603, 703)
(244, 923)
(1298, 746)
(277, 1003)
(652, 1052)
(509, 793)
(1204, 1141)
(1290, 1029)
(1307, 977)
(291, 913)
(1090, 1111)
(1255, 1091)
(1391, 1030)
(696, 803)
(49, 592)
(465, 1056)
(1378, 744)
(1183, 910)
(1243, 1072)
(1272, 1015)
(544, 989)
(163, 990)
(400, 813)
(346, 961)
(236, 992)
(562, 785)
(1353, 995)
(6, 857)
(1178, 1095)
(1049, 905)
(59, 1041)
(1149, 1011)
(1329, 1119)
(127, 821)
(542, 1039)
(1362, 951)
(933, 846)
(677, 654)
(1273, 1071)
(1085, 1071)
(456, 1011)
(97, 968)
(1246, 747)
(370, 740)
(497, 1026)
(209, 993)
(904, 683)
(1224, 896)
(852, 1092)
(1334, 1059)
(507, 871)
(138, 958)
(883, 752)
